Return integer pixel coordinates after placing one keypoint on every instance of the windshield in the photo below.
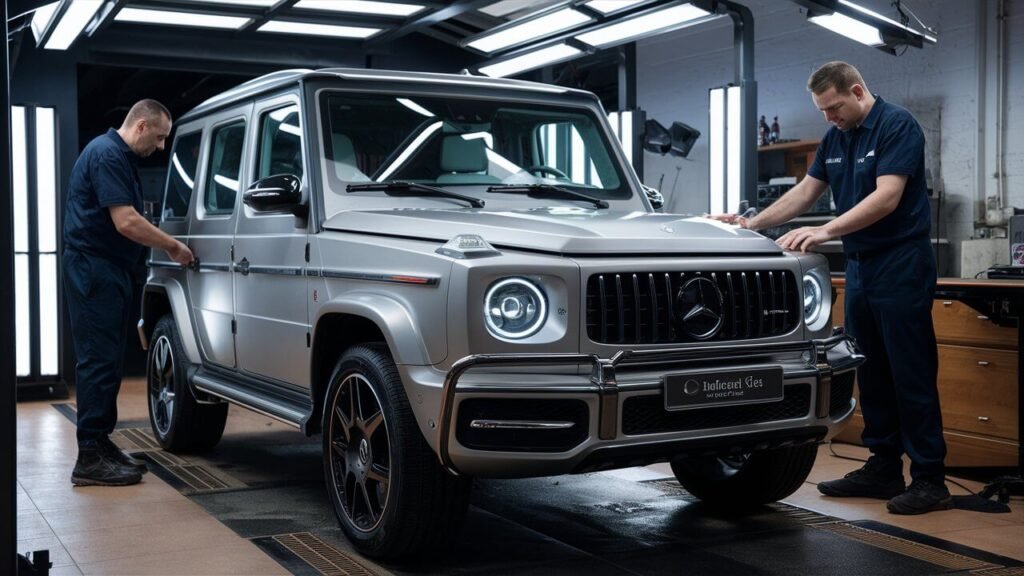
(464, 145)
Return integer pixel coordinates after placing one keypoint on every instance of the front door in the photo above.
(270, 257)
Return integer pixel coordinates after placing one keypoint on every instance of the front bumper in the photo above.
(815, 362)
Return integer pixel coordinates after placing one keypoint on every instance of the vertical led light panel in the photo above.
(19, 173)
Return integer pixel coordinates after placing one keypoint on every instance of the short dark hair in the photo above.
(838, 75)
(147, 109)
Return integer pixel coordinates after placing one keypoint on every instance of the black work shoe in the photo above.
(873, 480)
(108, 446)
(96, 468)
(922, 496)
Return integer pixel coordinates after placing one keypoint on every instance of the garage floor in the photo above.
(256, 505)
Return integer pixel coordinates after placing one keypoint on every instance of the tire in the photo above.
(390, 494)
(179, 422)
(745, 481)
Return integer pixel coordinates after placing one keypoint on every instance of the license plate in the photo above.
(706, 388)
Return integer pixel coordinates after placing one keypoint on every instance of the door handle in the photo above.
(243, 267)
(194, 265)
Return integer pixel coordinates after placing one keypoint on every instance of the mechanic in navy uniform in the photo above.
(873, 159)
(104, 236)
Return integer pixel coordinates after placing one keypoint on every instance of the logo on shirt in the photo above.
(837, 160)
(870, 154)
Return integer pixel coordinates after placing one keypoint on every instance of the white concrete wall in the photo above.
(939, 84)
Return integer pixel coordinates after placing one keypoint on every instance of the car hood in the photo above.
(563, 230)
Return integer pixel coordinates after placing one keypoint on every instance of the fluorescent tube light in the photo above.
(645, 25)
(46, 179)
(530, 29)
(169, 18)
(48, 341)
(415, 107)
(851, 28)
(531, 60)
(260, 3)
(19, 177)
(42, 18)
(611, 6)
(889, 21)
(732, 149)
(361, 7)
(71, 23)
(716, 149)
(308, 29)
(22, 323)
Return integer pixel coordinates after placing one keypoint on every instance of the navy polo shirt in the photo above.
(105, 175)
(889, 141)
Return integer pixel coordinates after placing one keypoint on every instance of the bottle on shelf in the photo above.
(774, 137)
(763, 133)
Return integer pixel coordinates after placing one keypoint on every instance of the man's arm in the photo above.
(793, 203)
(135, 227)
(877, 205)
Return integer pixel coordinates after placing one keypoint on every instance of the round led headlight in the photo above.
(812, 301)
(515, 308)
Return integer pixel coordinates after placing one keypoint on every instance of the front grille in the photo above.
(647, 414)
(641, 307)
(842, 391)
(522, 440)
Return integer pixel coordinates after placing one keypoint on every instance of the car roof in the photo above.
(282, 78)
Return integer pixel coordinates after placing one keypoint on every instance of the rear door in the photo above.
(212, 232)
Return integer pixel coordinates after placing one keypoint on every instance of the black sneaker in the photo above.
(922, 496)
(96, 468)
(873, 480)
(108, 446)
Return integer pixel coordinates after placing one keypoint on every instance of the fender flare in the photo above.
(172, 290)
(404, 338)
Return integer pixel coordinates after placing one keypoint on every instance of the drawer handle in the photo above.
(983, 363)
(983, 418)
(947, 302)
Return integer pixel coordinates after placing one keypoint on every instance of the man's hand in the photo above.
(730, 219)
(180, 253)
(803, 239)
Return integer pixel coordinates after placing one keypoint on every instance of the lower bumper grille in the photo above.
(647, 414)
(842, 391)
(522, 440)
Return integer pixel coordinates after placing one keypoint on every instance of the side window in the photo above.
(280, 143)
(182, 178)
(225, 167)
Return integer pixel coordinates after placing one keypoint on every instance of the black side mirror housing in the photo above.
(278, 193)
(683, 137)
(656, 139)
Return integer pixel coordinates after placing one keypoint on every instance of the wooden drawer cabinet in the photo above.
(977, 385)
(958, 323)
(978, 390)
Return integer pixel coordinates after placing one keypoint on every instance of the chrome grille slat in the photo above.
(755, 304)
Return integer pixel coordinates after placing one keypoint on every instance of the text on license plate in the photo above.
(704, 388)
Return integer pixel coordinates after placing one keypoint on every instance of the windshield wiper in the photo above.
(547, 190)
(398, 188)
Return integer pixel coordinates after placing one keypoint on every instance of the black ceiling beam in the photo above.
(417, 24)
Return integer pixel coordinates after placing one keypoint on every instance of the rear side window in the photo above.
(225, 167)
(181, 180)
(280, 143)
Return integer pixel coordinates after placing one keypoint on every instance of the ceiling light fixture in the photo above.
(260, 3)
(308, 29)
(646, 24)
(852, 29)
(526, 29)
(361, 7)
(530, 60)
(67, 22)
(865, 26)
(612, 6)
(41, 19)
(170, 18)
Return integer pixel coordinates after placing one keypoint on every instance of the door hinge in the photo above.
(307, 251)
(232, 252)
(234, 327)
(308, 340)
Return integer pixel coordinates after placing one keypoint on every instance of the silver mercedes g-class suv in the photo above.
(450, 276)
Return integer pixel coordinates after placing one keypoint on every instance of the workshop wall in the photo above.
(938, 83)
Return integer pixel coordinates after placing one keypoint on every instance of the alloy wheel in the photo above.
(161, 385)
(360, 454)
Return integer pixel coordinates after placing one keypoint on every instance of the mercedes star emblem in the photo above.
(699, 308)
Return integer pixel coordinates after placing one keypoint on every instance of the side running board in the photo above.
(293, 407)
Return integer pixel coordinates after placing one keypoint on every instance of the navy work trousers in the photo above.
(889, 297)
(99, 295)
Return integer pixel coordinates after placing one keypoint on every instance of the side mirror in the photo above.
(683, 137)
(656, 138)
(278, 193)
(654, 197)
